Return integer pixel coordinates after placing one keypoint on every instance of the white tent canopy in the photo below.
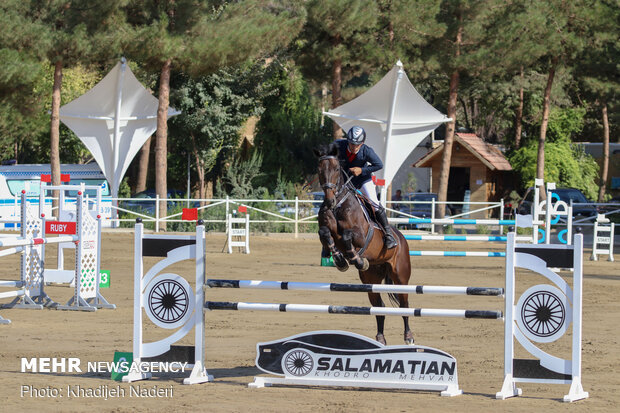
(396, 119)
(113, 120)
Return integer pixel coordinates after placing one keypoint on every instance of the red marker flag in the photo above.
(189, 214)
(243, 208)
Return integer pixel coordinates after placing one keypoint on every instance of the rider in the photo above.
(361, 161)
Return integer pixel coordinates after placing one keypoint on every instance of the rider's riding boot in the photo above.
(388, 239)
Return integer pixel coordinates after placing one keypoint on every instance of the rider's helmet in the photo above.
(356, 135)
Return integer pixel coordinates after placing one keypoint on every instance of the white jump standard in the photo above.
(543, 314)
(85, 233)
(31, 284)
(168, 299)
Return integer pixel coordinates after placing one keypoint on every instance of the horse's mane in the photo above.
(327, 149)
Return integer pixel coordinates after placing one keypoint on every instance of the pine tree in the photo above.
(597, 72)
(460, 50)
(64, 31)
(338, 42)
(199, 37)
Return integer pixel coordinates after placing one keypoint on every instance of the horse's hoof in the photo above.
(341, 263)
(344, 268)
(409, 338)
(363, 266)
(381, 339)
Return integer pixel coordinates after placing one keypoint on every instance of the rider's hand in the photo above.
(356, 170)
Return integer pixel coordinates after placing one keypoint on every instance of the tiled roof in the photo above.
(488, 154)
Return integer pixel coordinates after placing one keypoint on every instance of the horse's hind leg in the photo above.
(376, 301)
(408, 334)
(328, 243)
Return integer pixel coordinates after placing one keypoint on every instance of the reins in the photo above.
(337, 187)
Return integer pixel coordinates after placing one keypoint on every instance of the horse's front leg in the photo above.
(360, 263)
(328, 243)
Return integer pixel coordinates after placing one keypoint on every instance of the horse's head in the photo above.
(329, 172)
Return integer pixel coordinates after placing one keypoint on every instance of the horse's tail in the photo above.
(393, 298)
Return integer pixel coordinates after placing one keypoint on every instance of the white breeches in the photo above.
(369, 191)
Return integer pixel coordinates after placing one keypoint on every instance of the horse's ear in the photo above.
(316, 152)
(333, 149)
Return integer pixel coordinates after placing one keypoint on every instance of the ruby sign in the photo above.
(58, 227)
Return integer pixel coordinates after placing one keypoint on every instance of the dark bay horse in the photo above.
(346, 232)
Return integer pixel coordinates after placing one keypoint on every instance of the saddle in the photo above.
(368, 209)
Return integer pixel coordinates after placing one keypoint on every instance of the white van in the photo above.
(15, 178)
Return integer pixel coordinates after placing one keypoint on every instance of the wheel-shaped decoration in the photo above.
(169, 301)
(298, 362)
(543, 313)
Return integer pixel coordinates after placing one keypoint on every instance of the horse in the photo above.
(347, 232)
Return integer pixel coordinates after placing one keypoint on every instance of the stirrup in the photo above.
(389, 240)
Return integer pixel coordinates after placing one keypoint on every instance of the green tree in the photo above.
(461, 49)
(22, 69)
(214, 109)
(200, 37)
(553, 32)
(65, 32)
(567, 164)
(337, 43)
(239, 179)
(288, 130)
(597, 71)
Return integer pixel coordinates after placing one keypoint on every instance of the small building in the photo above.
(476, 166)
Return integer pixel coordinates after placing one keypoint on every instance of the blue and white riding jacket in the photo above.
(365, 158)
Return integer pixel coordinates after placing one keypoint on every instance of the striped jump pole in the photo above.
(455, 221)
(338, 309)
(491, 238)
(18, 242)
(498, 238)
(371, 288)
(457, 253)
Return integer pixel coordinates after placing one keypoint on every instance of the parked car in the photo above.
(567, 195)
(421, 209)
(289, 208)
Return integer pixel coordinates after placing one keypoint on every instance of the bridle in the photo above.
(337, 188)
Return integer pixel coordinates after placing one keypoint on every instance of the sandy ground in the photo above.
(232, 337)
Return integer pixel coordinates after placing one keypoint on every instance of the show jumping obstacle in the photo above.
(84, 232)
(170, 303)
(542, 213)
(238, 233)
(542, 315)
(603, 239)
(449, 221)
(60, 275)
(168, 299)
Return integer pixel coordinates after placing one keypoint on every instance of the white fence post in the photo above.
(296, 217)
(501, 216)
(433, 215)
(156, 213)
